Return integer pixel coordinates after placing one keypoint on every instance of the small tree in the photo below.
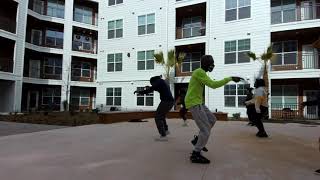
(264, 58)
(170, 63)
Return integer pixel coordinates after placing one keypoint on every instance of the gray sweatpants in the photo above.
(205, 120)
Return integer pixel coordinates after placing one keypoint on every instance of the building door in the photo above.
(36, 37)
(34, 69)
(310, 112)
(33, 99)
(307, 10)
(309, 57)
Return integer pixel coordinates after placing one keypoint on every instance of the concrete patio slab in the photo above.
(127, 151)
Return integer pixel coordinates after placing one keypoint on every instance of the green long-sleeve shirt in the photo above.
(196, 85)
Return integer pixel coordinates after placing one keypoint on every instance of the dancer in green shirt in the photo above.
(204, 119)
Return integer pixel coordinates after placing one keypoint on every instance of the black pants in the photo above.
(258, 118)
(160, 117)
(251, 110)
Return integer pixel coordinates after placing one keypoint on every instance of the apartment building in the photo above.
(95, 54)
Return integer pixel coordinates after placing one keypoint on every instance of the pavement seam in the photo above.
(204, 173)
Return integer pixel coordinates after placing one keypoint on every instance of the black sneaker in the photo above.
(194, 142)
(262, 135)
(317, 172)
(196, 157)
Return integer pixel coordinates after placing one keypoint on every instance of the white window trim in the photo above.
(237, 52)
(283, 53)
(236, 97)
(146, 24)
(82, 69)
(54, 67)
(145, 60)
(237, 11)
(56, 8)
(113, 96)
(114, 62)
(52, 96)
(115, 29)
(145, 98)
(193, 27)
(190, 62)
(283, 102)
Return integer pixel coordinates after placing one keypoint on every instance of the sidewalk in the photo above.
(127, 151)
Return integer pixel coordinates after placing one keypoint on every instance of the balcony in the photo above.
(86, 12)
(8, 24)
(6, 55)
(296, 61)
(293, 13)
(52, 8)
(83, 69)
(8, 15)
(84, 40)
(191, 21)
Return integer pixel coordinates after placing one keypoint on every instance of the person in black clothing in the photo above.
(250, 106)
(167, 102)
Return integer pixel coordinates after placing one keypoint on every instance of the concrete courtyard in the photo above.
(127, 151)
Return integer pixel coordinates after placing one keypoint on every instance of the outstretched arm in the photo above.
(146, 91)
(204, 79)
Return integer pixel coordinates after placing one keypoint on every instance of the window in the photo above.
(144, 100)
(286, 52)
(192, 27)
(83, 14)
(114, 62)
(113, 96)
(145, 60)
(283, 11)
(236, 51)
(82, 69)
(54, 39)
(38, 6)
(235, 95)
(36, 37)
(82, 43)
(284, 96)
(53, 66)
(191, 62)
(115, 29)
(238, 9)
(80, 97)
(55, 8)
(114, 2)
(146, 24)
(51, 96)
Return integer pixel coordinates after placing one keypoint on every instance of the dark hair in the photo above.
(154, 78)
(259, 83)
(206, 60)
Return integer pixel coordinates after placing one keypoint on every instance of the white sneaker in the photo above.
(162, 138)
(184, 124)
(167, 132)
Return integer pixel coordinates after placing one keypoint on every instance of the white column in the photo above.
(67, 44)
(19, 53)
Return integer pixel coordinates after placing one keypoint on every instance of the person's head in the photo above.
(207, 63)
(154, 79)
(259, 83)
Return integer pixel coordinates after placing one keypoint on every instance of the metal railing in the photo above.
(190, 32)
(308, 61)
(293, 112)
(8, 24)
(297, 13)
(6, 65)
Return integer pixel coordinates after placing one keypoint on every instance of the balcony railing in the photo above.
(309, 61)
(292, 14)
(6, 65)
(293, 111)
(83, 47)
(8, 24)
(190, 32)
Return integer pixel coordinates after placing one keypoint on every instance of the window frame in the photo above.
(144, 96)
(114, 62)
(237, 51)
(54, 66)
(145, 60)
(82, 69)
(115, 29)
(237, 9)
(283, 53)
(52, 95)
(146, 24)
(114, 96)
(236, 96)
